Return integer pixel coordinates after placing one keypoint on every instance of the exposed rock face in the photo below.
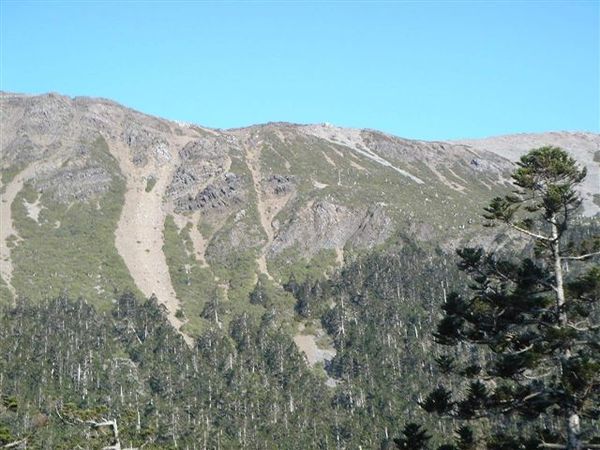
(374, 229)
(214, 196)
(185, 181)
(280, 184)
(207, 149)
(325, 225)
(74, 184)
(21, 150)
(200, 181)
(145, 144)
(47, 116)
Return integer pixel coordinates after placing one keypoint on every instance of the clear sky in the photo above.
(430, 70)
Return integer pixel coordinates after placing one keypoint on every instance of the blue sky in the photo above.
(429, 70)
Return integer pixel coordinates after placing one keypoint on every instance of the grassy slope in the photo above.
(71, 247)
(6, 296)
(193, 284)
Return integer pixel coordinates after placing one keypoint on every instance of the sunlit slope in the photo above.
(98, 199)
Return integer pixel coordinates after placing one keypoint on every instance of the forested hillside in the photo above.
(245, 386)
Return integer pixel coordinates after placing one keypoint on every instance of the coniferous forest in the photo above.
(67, 365)
(408, 325)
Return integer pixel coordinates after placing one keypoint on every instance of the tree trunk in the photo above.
(573, 430)
(573, 427)
(558, 275)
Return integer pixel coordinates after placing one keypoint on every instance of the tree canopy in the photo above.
(536, 382)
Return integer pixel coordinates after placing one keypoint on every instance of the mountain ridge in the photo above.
(199, 213)
(185, 123)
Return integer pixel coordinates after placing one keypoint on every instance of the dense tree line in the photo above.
(379, 312)
(66, 365)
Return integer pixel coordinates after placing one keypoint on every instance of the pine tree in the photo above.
(414, 438)
(540, 332)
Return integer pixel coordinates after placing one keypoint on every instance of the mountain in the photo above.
(273, 286)
(98, 198)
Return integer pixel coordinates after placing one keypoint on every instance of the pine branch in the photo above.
(529, 233)
(105, 423)
(61, 417)
(518, 352)
(580, 257)
(577, 327)
(15, 443)
(536, 377)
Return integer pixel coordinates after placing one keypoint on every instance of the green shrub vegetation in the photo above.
(6, 296)
(150, 183)
(71, 246)
(193, 284)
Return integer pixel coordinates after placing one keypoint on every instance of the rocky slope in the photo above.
(98, 198)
